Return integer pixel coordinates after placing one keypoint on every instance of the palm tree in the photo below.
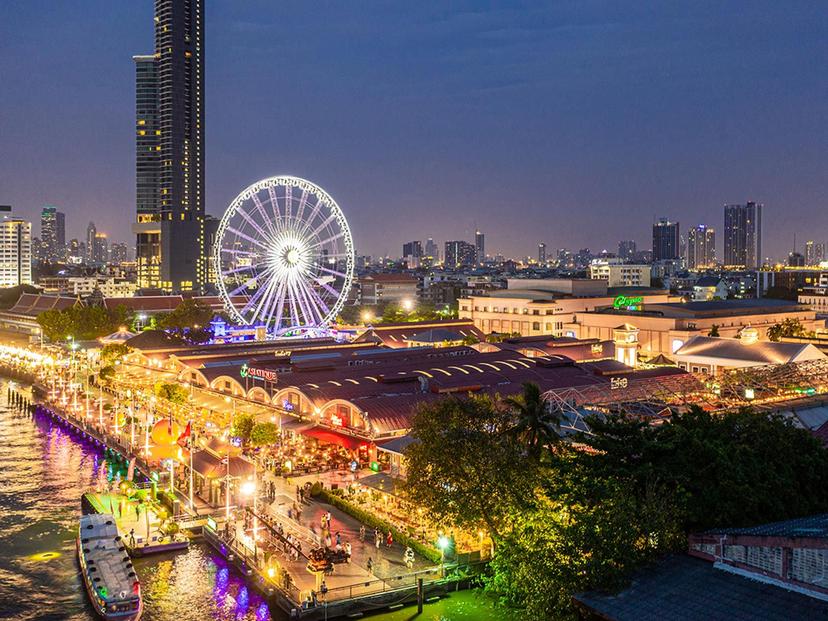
(535, 423)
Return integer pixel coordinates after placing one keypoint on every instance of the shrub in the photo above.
(369, 519)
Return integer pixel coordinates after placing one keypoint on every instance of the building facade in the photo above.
(619, 274)
(52, 234)
(479, 247)
(15, 251)
(460, 254)
(701, 247)
(171, 233)
(743, 235)
(665, 240)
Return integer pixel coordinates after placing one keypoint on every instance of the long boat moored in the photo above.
(107, 572)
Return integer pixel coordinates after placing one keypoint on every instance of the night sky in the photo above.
(574, 123)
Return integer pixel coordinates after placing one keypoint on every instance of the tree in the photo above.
(242, 428)
(714, 330)
(174, 393)
(535, 424)
(190, 320)
(790, 327)
(82, 322)
(113, 352)
(463, 462)
(264, 434)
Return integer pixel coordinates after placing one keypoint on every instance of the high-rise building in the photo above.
(431, 250)
(15, 250)
(542, 253)
(814, 253)
(795, 259)
(460, 254)
(91, 232)
(100, 249)
(171, 227)
(118, 253)
(665, 240)
(627, 249)
(743, 235)
(701, 247)
(479, 247)
(52, 234)
(412, 253)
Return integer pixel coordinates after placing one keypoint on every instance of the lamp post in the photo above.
(442, 543)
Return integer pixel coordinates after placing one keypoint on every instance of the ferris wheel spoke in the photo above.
(274, 206)
(243, 252)
(320, 303)
(295, 295)
(294, 315)
(288, 202)
(272, 286)
(328, 241)
(262, 301)
(247, 237)
(251, 221)
(312, 218)
(279, 295)
(302, 202)
(326, 222)
(236, 270)
(328, 288)
(334, 272)
(262, 213)
(313, 302)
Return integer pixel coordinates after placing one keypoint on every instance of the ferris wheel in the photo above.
(284, 256)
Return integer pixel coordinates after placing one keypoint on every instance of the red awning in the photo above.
(333, 437)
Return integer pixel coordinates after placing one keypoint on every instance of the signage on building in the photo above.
(617, 383)
(257, 373)
(629, 303)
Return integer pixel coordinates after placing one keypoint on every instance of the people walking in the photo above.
(389, 540)
(362, 533)
(370, 565)
(408, 557)
(377, 539)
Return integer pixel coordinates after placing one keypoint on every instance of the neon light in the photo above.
(256, 373)
(631, 303)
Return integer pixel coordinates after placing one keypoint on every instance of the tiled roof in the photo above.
(683, 588)
(813, 526)
(32, 304)
(762, 352)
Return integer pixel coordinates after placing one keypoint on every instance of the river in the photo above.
(44, 471)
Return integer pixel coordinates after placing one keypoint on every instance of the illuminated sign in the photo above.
(257, 373)
(335, 420)
(632, 303)
(617, 383)
(212, 523)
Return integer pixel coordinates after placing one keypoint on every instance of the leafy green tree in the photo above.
(243, 425)
(264, 434)
(190, 320)
(536, 424)
(81, 322)
(174, 393)
(113, 352)
(463, 462)
(790, 327)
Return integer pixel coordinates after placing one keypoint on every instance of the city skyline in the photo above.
(573, 162)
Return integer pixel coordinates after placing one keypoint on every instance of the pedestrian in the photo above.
(389, 540)
(338, 538)
(378, 541)
(328, 519)
(132, 538)
(408, 557)
(301, 495)
(348, 551)
(370, 565)
(297, 492)
(362, 533)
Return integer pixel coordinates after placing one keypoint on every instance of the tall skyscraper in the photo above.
(172, 231)
(412, 253)
(701, 247)
(460, 254)
(52, 234)
(627, 249)
(91, 233)
(100, 249)
(431, 250)
(665, 240)
(743, 235)
(542, 253)
(15, 250)
(814, 253)
(118, 253)
(479, 247)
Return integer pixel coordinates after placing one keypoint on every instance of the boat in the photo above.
(108, 575)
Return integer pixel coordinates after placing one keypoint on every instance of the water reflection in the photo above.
(43, 472)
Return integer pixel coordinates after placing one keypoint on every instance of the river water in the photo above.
(43, 472)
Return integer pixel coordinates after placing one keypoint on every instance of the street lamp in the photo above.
(442, 543)
(407, 305)
(367, 317)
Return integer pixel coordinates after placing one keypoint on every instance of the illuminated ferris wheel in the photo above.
(284, 256)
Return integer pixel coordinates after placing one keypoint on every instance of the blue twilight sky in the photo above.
(569, 122)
